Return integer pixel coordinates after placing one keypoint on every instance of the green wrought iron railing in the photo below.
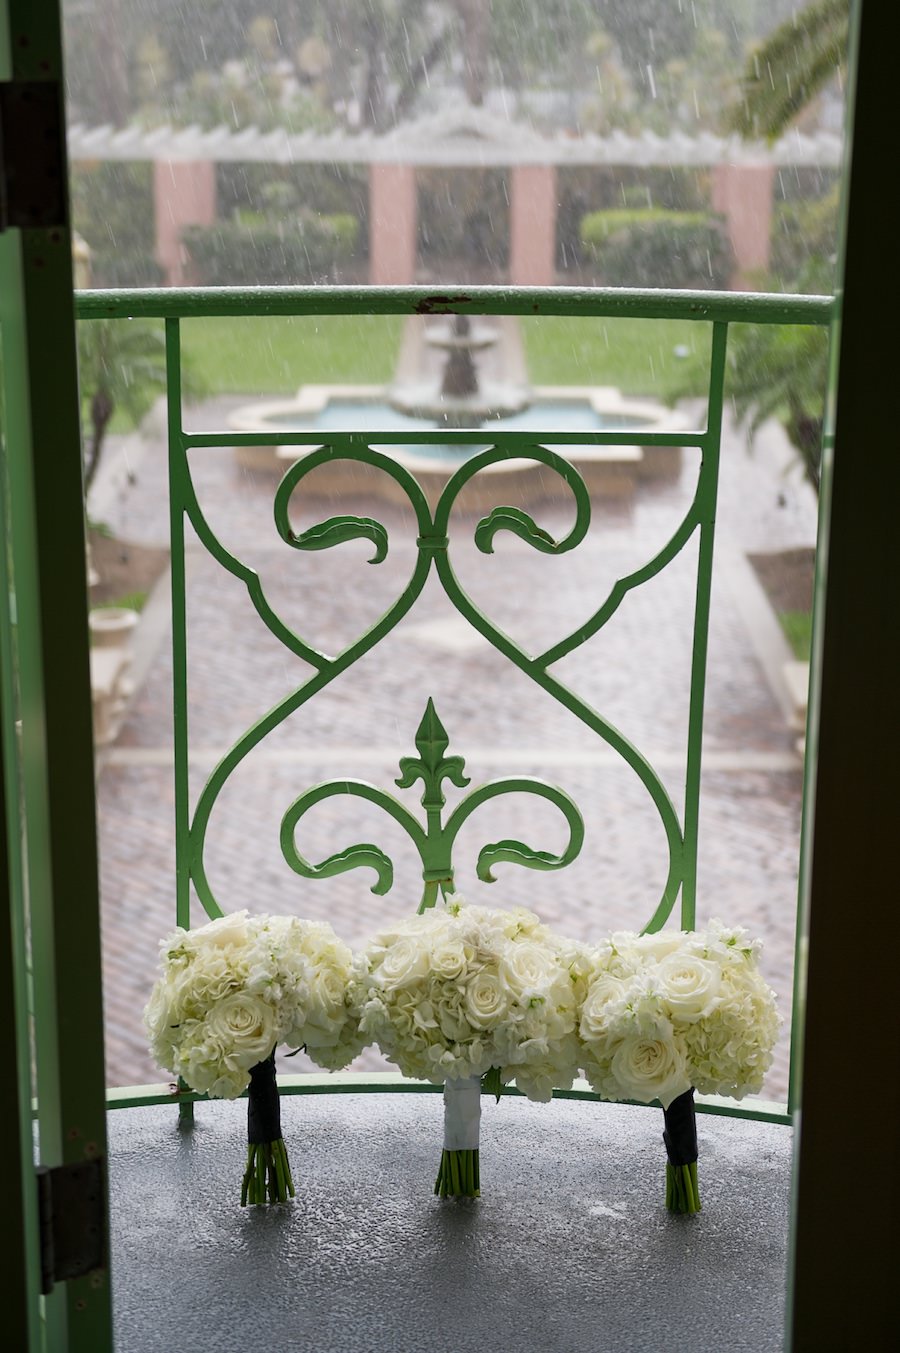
(434, 540)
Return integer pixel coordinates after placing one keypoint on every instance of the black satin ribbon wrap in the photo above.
(680, 1135)
(263, 1104)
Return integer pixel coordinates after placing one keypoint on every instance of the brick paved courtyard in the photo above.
(635, 672)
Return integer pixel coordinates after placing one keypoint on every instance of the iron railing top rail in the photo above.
(607, 302)
(391, 1082)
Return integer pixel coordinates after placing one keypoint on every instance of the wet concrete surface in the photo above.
(569, 1247)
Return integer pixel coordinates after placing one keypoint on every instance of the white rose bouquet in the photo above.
(666, 1014)
(465, 993)
(230, 992)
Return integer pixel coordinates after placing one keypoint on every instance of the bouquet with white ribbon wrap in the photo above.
(473, 998)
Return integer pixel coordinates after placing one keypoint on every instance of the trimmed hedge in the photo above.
(307, 248)
(653, 247)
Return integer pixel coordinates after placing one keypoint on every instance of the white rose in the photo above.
(326, 992)
(485, 1001)
(604, 1000)
(647, 1068)
(404, 964)
(658, 946)
(526, 968)
(689, 986)
(224, 930)
(245, 1027)
(448, 960)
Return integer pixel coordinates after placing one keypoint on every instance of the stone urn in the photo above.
(111, 629)
(111, 626)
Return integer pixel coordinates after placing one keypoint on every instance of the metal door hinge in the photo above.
(32, 155)
(72, 1209)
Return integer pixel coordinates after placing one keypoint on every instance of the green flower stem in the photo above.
(267, 1177)
(682, 1192)
(459, 1175)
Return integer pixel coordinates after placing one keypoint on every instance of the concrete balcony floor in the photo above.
(569, 1248)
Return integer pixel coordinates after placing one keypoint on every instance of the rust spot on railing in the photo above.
(441, 305)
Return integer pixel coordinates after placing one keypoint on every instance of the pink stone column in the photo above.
(184, 193)
(743, 194)
(532, 225)
(392, 224)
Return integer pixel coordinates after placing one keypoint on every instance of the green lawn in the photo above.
(636, 355)
(265, 356)
(276, 356)
(797, 625)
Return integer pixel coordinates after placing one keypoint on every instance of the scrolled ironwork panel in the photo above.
(434, 540)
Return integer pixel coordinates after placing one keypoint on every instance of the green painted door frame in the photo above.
(51, 922)
(842, 1285)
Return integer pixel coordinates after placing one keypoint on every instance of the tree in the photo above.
(773, 371)
(792, 66)
(372, 55)
(779, 371)
(121, 364)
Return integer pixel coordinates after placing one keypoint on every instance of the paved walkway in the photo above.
(635, 672)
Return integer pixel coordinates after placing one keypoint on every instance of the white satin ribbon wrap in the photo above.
(462, 1113)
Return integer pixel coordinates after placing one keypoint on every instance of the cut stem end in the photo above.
(682, 1192)
(459, 1175)
(267, 1178)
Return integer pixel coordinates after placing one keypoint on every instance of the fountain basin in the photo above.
(612, 471)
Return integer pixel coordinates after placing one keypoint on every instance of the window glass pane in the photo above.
(580, 143)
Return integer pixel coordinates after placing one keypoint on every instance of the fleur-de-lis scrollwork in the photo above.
(435, 841)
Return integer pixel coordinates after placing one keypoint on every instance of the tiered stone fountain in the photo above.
(474, 385)
(462, 398)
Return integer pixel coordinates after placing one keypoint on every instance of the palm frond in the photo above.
(791, 67)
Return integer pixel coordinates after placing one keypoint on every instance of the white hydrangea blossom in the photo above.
(233, 989)
(666, 1012)
(461, 989)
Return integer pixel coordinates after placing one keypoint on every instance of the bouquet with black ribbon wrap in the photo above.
(680, 1137)
(230, 992)
(267, 1177)
(669, 1013)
